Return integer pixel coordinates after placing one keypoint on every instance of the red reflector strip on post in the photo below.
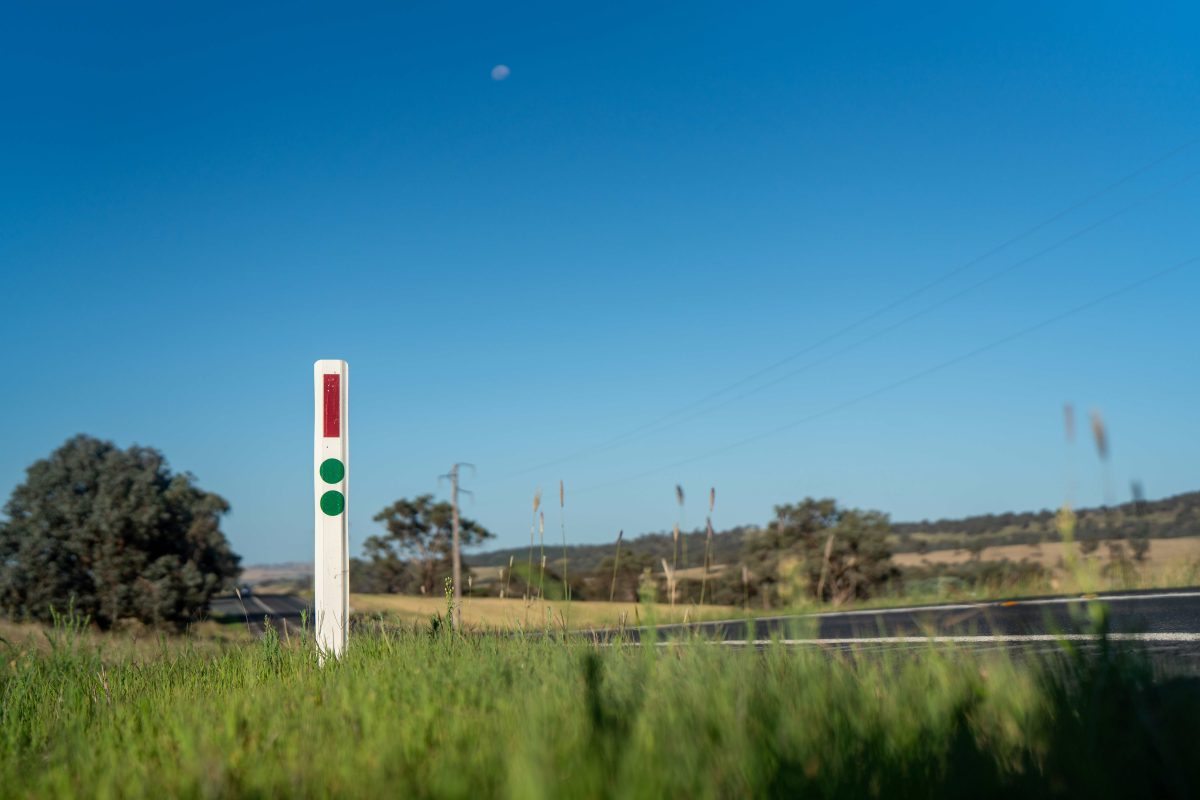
(333, 406)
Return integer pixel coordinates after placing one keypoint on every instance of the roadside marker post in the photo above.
(331, 480)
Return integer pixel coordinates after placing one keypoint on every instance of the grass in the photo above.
(132, 639)
(416, 715)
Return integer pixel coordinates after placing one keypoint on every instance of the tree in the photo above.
(975, 546)
(782, 539)
(414, 554)
(115, 533)
(841, 554)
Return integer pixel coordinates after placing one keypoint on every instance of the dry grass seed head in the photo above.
(1100, 434)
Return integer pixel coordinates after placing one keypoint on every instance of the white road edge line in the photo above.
(1015, 638)
(265, 608)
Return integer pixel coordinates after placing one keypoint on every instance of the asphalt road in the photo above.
(257, 610)
(1165, 623)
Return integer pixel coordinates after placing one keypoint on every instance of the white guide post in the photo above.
(331, 468)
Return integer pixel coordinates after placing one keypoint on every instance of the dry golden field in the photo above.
(1165, 554)
(515, 613)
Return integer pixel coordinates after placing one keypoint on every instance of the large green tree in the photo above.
(115, 534)
(414, 554)
(814, 547)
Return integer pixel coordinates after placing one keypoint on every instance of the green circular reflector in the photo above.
(333, 502)
(332, 470)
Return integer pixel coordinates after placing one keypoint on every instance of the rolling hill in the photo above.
(1170, 517)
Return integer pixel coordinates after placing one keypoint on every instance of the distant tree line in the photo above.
(726, 546)
(1168, 518)
(814, 549)
(1160, 519)
(761, 566)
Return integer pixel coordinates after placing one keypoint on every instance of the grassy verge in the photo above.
(414, 715)
(132, 640)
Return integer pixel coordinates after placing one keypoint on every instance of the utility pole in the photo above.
(456, 547)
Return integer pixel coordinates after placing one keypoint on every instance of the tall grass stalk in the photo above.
(1069, 430)
(745, 588)
(707, 548)
(681, 523)
(542, 549)
(612, 592)
(1100, 435)
(562, 524)
(825, 564)
(708, 537)
(537, 502)
(670, 575)
(675, 548)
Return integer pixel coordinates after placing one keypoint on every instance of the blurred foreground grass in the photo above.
(416, 715)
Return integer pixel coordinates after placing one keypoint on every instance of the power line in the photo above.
(634, 432)
(910, 378)
(672, 419)
(926, 310)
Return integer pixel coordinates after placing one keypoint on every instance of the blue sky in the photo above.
(658, 201)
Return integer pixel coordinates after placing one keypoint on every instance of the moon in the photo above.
(500, 72)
